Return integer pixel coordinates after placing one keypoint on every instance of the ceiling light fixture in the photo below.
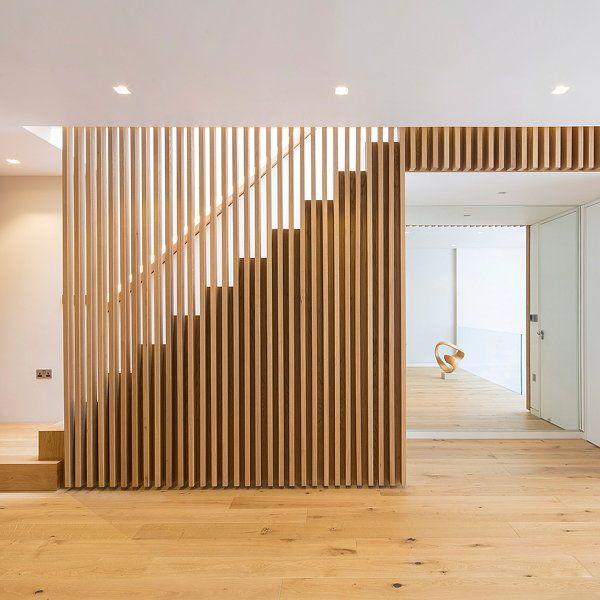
(122, 90)
(559, 90)
(13, 161)
(501, 192)
(341, 90)
(466, 215)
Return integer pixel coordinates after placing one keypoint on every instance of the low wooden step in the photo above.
(51, 444)
(26, 474)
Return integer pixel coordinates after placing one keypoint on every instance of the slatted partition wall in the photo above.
(233, 297)
(233, 306)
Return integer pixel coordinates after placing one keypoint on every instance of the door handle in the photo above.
(541, 334)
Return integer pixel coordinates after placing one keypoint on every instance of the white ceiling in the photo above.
(480, 215)
(473, 198)
(522, 189)
(465, 237)
(275, 62)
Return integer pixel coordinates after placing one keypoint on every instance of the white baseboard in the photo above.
(417, 365)
(495, 435)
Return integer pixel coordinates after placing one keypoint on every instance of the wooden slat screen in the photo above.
(501, 148)
(233, 298)
(233, 303)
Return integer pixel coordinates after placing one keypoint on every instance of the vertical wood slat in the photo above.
(134, 253)
(92, 304)
(113, 308)
(292, 310)
(257, 314)
(236, 433)
(391, 304)
(158, 219)
(247, 352)
(337, 372)
(214, 468)
(313, 310)
(303, 314)
(326, 311)
(224, 313)
(280, 311)
(102, 308)
(202, 344)
(380, 308)
(358, 252)
(400, 303)
(347, 317)
(203, 349)
(191, 306)
(146, 305)
(124, 319)
(370, 322)
(68, 227)
(270, 316)
(79, 283)
(180, 284)
(170, 414)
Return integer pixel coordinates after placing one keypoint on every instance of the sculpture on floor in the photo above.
(449, 363)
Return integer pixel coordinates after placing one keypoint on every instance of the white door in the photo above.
(558, 320)
(592, 322)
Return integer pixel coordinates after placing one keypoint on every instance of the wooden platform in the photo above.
(479, 519)
(467, 403)
(27, 474)
(31, 457)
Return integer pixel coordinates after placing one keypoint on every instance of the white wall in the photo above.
(430, 302)
(591, 329)
(491, 288)
(491, 300)
(30, 305)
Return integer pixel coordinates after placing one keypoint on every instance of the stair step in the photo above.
(26, 474)
(51, 444)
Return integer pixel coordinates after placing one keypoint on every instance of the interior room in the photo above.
(473, 273)
(265, 332)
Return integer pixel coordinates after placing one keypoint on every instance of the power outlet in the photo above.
(43, 373)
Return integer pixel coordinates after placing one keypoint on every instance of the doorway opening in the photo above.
(492, 268)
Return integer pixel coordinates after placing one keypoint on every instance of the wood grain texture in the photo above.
(502, 148)
(480, 518)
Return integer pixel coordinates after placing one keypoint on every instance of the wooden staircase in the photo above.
(44, 472)
(292, 368)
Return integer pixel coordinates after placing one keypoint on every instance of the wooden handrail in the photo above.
(219, 209)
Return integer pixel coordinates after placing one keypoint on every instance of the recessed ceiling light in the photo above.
(122, 90)
(13, 161)
(561, 89)
(341, 90)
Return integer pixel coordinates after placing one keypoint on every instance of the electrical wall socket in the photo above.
(43, 373)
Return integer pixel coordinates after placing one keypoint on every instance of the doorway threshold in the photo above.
(495, 435)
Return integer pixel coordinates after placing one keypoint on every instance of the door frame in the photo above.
(573, 210)
(585, 397)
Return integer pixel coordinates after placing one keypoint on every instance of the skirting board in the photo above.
(495, 435)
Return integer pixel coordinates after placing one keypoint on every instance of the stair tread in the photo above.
(13, 459)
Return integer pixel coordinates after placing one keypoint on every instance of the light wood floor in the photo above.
(479, 519)
(468, 403)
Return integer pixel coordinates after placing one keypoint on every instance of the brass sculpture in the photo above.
(450, 361)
